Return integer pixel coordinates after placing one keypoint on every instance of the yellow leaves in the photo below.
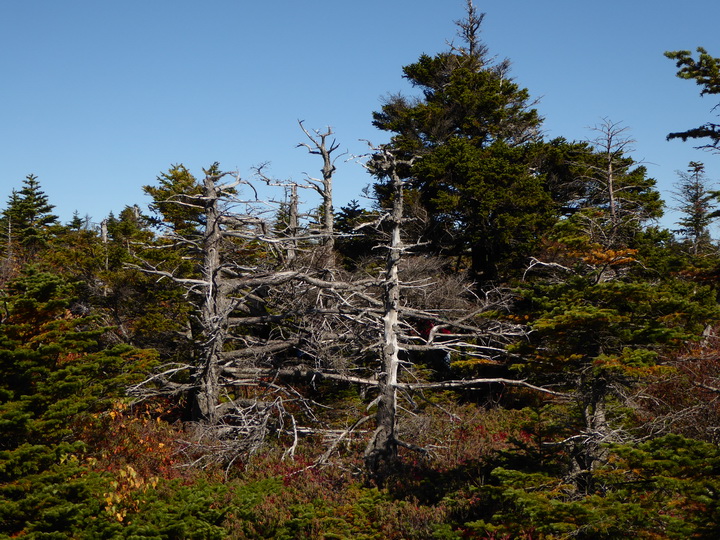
(68, 458)
(112, 500)
(121, 497)
(117, 410)
(128, 472)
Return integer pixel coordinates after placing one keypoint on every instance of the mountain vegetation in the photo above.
(504, 345)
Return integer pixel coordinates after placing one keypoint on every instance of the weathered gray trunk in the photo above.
(323, 186)
(327, 195)
(383, 445)
(214, 311)
(592, 451)
(611, 190)
(292, 223)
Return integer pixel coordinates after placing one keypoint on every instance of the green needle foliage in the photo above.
(26, 225)
(664, 488)
(609, 320)
(705, 71)
(471, 133)
(54, 372)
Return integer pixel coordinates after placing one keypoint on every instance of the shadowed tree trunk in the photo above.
(383, 445)
(214, 310)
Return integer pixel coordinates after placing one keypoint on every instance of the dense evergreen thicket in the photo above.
(506, 345)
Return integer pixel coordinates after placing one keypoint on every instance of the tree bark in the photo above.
(382, 448)
(214, 311)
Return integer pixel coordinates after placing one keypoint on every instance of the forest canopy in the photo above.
(504, 343)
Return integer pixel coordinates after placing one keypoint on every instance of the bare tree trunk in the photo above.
(590, 447)
(324, 186)
(293, 224)
(611, 190)
(327, 195)
(383, 445)
(614, 144)
(304, 315)
(214, 310)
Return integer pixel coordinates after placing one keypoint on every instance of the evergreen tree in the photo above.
(26, 222)
(175, 201)
(31, 213)
(355, 244)
(470, 135)
(55, 373)
(698, 206)
(603, 322)
(661, 488)
(51, 359)
(77, 222)
(705, 71)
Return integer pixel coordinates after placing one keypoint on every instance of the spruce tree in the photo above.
(26, 221)
(470, 132)
(698, 206)
(55, 374)
(603, 323)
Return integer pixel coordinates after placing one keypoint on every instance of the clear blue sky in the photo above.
(99, 96)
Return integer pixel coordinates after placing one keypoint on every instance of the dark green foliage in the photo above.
(602, 324)
(664, 488)
(617, 316)
(464, 96)
(54, 495)
(705, 71)
(593, 319)
(354, 243)
(487, 199)
(28, 216)
(77, 222)
(147, 313)
(595, 326)
(614, 198)
(174, 201)
(203, 510)
(470, 133)
(53, 365)
(54, 371)
(698, 206)
(26, 225)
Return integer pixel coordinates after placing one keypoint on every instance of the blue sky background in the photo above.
(99, 96)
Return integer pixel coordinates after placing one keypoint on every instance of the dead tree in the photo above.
(293, 222)
(215, 306)
(383, 445)
(613, 145)
(454, 329)
(319, 146)
(209, 290)
(266, 328)
(618, 196)
(255, 314)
